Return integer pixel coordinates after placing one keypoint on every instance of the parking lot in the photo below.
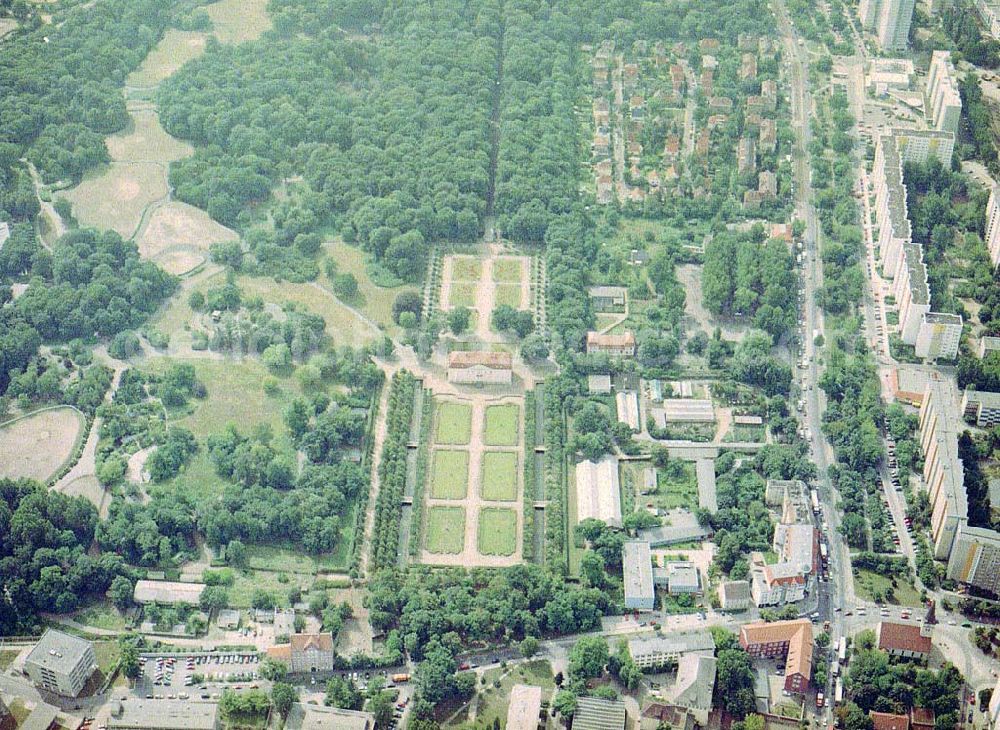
(201, 676)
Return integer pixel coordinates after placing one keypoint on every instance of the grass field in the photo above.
(375, 301)
(236, 21)
(492, 702)
(677, 489)
(342, 325)
(904, 594)
(466, 268)
(176, 48)
(449, 474)
(175, 224)
(497, 531)
(501, 425)
(115, 196)
(446, 530)
(37, 445)
(499, 477)
(102, 616)
(454, 423)
(145, 140)
(7, 657)
(507, 269)
(509, 294)
(462, 294)
(288, 559)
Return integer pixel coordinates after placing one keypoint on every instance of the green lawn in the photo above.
(449, 474)
(499, 476)
(462, 294)
(492, 702)
(867, 583)
(466, 268)
(290, 559)
(509, 294)
(101, 616)
(446, 530)
(106, 653)
(677, 487)
(454, 423)
(507, 269)
(7, 657)
(374, 300)
(241, 592)
(501, 425)
(497, 531)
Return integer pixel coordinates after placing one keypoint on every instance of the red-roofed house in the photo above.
(921, 718)
(790, 639)
(904, 640)
(888, 721)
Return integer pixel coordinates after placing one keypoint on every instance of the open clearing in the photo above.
(866, 583)
(343, 325)
(180, 261)
(38, 444)
(174, 224)
(144, 140)
(497, 531)
(454, 426)
(175, 49)
(689, 275)
(374, 300)
(450, 474)
(237, 21)
(446, 530)
(499, 476)
(501, 425)
(115, 197)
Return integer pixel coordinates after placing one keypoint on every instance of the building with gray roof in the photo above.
(663, 649)
(637, 572)
(593, 713)
(139, 714)
(61, 663)
(694, 685)
(320, 717)
(679, 525)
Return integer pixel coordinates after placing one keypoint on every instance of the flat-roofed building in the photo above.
(593, 713)
(167, 592)
(988, 345)
(944, 103)
(790, 639)
(939, 335)
(598, 491)
(734, 595)
(892, 29)
(61, 663)
(660, 650)
(319, 717)
(637, 573)
(622, 345)
(792, 496)
(682, 577)
(683, 410)
(889, 73)
(981, 407)
(139, 714)
(943, 474)
(627, 407)
(993, 225)
(994, 707)
(679, 525)
(707, 497)
(471, 367)
(524, 708)
(975, 558)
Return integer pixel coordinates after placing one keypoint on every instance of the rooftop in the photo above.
(597, 714)
(598, 491)
(679, 525)
(138, 713)
(736, 590)
(637, 569)
(472, 358)
(315, 642)
(888, 721)
(681, 642)
(797, 633)
(942, 318)
(58, 651)
(320, 717)
(695, 682)
(893, 636)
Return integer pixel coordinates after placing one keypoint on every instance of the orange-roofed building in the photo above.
(790, 639)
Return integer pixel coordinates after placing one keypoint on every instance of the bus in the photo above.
(835, 669)
(842, 650)
(838, 693)
(823, 552)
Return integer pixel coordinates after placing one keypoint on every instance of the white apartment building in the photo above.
(943, 470)
(939, 335)
(989, 14)
(975, 558)
(61, 663)
(892, 28)
(944, 103)
(993, 226)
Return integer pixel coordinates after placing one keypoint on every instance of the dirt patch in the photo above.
(175, 49)
(90, 489)
(237, 21)
(690, 276)
(137, 466)
(37, 445)
(146, 141)
(116, 198)
(174, 225)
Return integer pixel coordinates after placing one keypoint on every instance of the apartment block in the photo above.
(939, 335)
(944, 103)
(993, 226)
(981, 407)
(943, 472)
(975, 558)
(892, 30)
(61, 663)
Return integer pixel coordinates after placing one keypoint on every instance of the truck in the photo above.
(838, 692)
(824, 555)
(400, 678)
(814, 498)
(842, 650)
(819, 699)
(835, 670)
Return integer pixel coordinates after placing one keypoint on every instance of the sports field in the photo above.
(499, 476)
(36, 446)
(497, 531)
(450, 474)
(454, 425)
(501, 425)
(446, 530)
